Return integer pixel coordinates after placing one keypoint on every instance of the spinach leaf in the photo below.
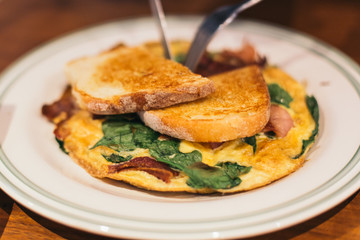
(124, 134)
(314, 111)
(270, 135)
(252, 142)
(143, 136)
(279, 95)
(200, 175)
(234, 169)
(168, 152)
(114, 158)
(180, 58)
(117, 135)
(61, 145)
(223, 176)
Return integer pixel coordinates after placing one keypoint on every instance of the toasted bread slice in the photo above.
(240, 107)
(125, 80)
(178, 48)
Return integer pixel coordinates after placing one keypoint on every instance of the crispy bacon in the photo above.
(61, 132)
(214, 145)
(208, 66)
(228, 60)
(280, 121)
(147, 164)
(65, 105)
(247, 55)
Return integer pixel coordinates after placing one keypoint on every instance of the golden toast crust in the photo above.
(127, 80)
(240, 107)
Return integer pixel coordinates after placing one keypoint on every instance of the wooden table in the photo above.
(25, 24)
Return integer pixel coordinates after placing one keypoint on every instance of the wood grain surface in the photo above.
(25, 24)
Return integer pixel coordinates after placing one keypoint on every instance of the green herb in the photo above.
(124, 134)
(314, 111)
(270, 134)
(200, 175)
(61, 145)
(252, 142)
(222, 176)
(279, 95)
(114, 158)
(168, 152)
(180, 57)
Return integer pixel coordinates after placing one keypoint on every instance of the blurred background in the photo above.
(25, 24)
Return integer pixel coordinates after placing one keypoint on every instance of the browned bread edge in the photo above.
(231, 126)
(142, 101)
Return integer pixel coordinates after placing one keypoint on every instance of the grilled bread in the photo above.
(270, 158)
(239, 108)
(125, 80)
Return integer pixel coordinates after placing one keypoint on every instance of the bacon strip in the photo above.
(147, 164)
(60, 131)
(214, 145)
(280, 121)
(65, 105)
(228, 60)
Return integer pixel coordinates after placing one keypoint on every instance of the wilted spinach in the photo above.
(314, 111)
(128, 133)
(252, 142)
(279, 95)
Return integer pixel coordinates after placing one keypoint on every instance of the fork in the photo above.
(159, 16)
(217, 20)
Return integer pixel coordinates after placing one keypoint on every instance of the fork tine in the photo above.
(215, 21)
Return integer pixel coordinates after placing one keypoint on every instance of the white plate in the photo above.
(39, 176)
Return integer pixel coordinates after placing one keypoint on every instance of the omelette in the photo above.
(121, 147)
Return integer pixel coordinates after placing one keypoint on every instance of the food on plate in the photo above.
(131, 79)
(256, 128)
(240, 107)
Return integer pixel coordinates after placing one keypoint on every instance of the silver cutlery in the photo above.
(217, 20)
(159, 16)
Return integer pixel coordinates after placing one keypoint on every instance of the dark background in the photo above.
(25, 24)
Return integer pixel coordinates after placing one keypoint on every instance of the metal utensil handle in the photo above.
(220, 18)
(159, 16)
